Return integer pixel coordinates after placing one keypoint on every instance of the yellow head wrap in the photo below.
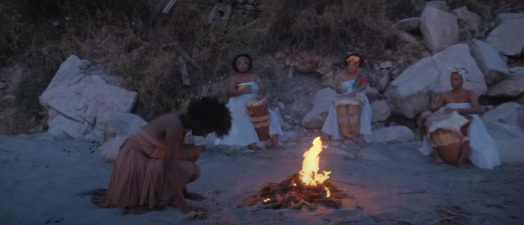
(353, 59)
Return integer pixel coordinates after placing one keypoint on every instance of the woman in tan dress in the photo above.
(153, 167)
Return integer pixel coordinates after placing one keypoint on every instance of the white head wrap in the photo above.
(460, 70)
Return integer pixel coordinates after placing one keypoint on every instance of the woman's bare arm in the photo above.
(439, 103)
(262, 88)
(174, 134)
(339, 84)
(232, 89)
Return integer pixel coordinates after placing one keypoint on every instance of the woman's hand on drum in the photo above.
(247, 90)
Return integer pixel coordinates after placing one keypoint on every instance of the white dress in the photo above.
(242, 131)
(483, 150)
(331, 126)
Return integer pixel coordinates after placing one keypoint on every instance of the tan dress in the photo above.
(138, 182)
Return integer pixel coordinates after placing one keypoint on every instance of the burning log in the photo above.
(306, 188)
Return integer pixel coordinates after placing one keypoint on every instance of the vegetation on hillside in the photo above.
(134, 40)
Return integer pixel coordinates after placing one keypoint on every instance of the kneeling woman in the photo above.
(245, 86)
(351, 84)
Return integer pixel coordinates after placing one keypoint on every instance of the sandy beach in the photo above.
(41, 178)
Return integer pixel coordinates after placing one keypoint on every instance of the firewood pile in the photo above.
(293, 193)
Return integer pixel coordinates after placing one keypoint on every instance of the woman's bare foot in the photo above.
(253, 146)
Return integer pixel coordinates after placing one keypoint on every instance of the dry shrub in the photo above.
(133, 40)
(339, 26)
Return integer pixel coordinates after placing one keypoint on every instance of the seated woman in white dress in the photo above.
(243, 132)
(351, 84)
(478, 145)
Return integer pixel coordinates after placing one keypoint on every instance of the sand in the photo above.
(40, 180)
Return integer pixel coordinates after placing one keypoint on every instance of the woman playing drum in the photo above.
(351, 84)
(478, 146)
(243, 87)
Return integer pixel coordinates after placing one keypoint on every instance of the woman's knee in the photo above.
(196, 173)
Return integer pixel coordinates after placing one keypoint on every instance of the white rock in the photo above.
(316, 117)
(383, 83)
(394, 134)
(380, 111)
(109, 150)
(405, 36)
(64, 127)
(509, 139)
(111, 124)
(371, 93)
(439, 28)
(410, 93)
(505, 113)
(507, 17)
(409, 24)
(508, 37)
(473, 20)
(511, 87)
(517, 69)
(78, 92)
(489, 61)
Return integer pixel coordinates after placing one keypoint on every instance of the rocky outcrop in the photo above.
(393, 134)
(380, 111)
(439, 28)
(410, 93)
(508, 37)
(77, 94)
(316, 117)
(489, 61)
(472, 20)
(512, 86)
(508, 113)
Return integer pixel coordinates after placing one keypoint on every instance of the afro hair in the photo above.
(234, 62)
(210, 114)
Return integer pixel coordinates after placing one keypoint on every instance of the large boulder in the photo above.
(509, 139)
(393, 134)
(512, 86)
(439, 28)
(508, 37)
(507, 17)
(380, 111)
(112, 124)
(316, 117)
(77, 94)
(489, 61)
(473, 20)
(371, 93)
(508, 113)
(410, 93)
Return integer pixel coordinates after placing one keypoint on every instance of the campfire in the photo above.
(305, 188)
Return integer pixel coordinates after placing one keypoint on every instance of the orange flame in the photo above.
(310, 165)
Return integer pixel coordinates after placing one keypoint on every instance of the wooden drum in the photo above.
(445, 132)
(348, 115)
(258, 111)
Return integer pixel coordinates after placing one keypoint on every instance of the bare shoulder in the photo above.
(163, 122)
